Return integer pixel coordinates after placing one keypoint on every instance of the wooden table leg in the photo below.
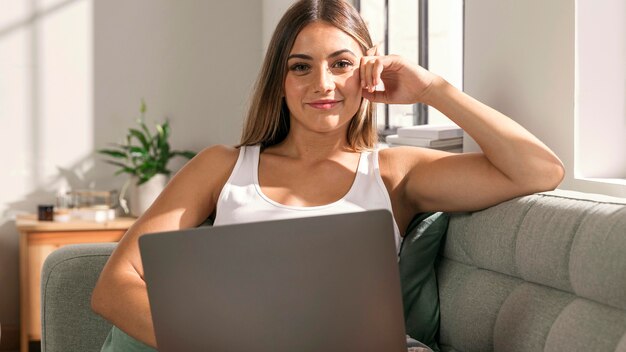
(24, 304)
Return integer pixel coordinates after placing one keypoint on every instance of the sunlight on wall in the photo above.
(47, 99)
(65, 88)
(46, 114)
(15, 70)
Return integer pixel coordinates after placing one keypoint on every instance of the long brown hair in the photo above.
(267, 122)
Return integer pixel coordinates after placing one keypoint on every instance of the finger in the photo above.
(377, 70)
(374, 97)
(374, 72)
(369, 78)
(369, 96)
(362, 71)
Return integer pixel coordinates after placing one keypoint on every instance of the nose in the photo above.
(324, 81)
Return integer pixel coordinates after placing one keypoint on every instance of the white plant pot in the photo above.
(142, 196)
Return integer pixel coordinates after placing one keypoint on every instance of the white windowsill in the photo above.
(612, 181)
(612, 187)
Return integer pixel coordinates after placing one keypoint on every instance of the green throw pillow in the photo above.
(118, 341)
(420, 295)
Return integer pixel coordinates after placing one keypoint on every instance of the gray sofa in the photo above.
(545, 272)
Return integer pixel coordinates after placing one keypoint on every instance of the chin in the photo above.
(329, 126)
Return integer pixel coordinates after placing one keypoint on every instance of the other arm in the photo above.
(513, 162)
(120, 294)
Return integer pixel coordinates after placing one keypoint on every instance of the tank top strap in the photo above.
(245, 168)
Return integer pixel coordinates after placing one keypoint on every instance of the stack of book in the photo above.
(445, 137)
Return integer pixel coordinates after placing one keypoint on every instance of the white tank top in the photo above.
(242, 200)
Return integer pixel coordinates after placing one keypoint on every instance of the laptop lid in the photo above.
(328, 283)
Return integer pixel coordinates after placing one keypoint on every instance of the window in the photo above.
(395, 27)
(600, 129)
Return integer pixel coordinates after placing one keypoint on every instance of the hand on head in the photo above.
(405, 83)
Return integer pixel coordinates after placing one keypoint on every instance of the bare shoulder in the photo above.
(215, 160)
(208, 170)
(212, 166)
(219, 153)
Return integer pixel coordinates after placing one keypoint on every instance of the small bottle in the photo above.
(45, 212)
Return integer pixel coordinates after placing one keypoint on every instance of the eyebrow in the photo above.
(308, 57)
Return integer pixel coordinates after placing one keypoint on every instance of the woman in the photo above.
(308, 149)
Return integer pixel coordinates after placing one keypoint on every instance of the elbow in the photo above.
(559, 174)
(99, 299)
(551, 176)
(96, 301)
(544, 176)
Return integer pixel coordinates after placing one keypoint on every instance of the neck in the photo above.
(313, 145)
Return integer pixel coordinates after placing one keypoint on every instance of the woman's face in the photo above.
(322, 87)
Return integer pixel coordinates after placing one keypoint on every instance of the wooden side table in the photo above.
(37, 240)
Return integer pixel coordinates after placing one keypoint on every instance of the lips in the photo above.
(324, 104)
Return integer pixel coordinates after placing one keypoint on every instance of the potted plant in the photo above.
(144, 156)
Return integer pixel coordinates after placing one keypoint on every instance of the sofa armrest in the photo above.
(68, 277)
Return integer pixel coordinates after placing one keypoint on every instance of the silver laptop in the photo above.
(328, 283)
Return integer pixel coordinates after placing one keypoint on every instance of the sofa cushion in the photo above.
(543, 272)
(68, 277)
(417, 275)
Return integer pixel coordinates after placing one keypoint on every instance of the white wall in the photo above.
(273, 10)
(73, 74)
(520, 59)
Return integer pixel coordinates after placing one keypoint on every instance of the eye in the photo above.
(343, 65)
(299, 68)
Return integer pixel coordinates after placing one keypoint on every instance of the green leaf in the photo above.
(160, 139)
(112, 153)
(147, 166)
(146, 177)
(160, 130)
(164, 152)
(127, 170)
(166, 130)
(145, 130)
(123, 167)
(124, 147)
(141, 137)
(142, 180)
(145, 154)
(116, 163)
(184, 153)
(137, 151)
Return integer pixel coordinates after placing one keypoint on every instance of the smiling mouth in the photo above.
(324, 104)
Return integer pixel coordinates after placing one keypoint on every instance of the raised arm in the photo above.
(120, 294)
(513, 162)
